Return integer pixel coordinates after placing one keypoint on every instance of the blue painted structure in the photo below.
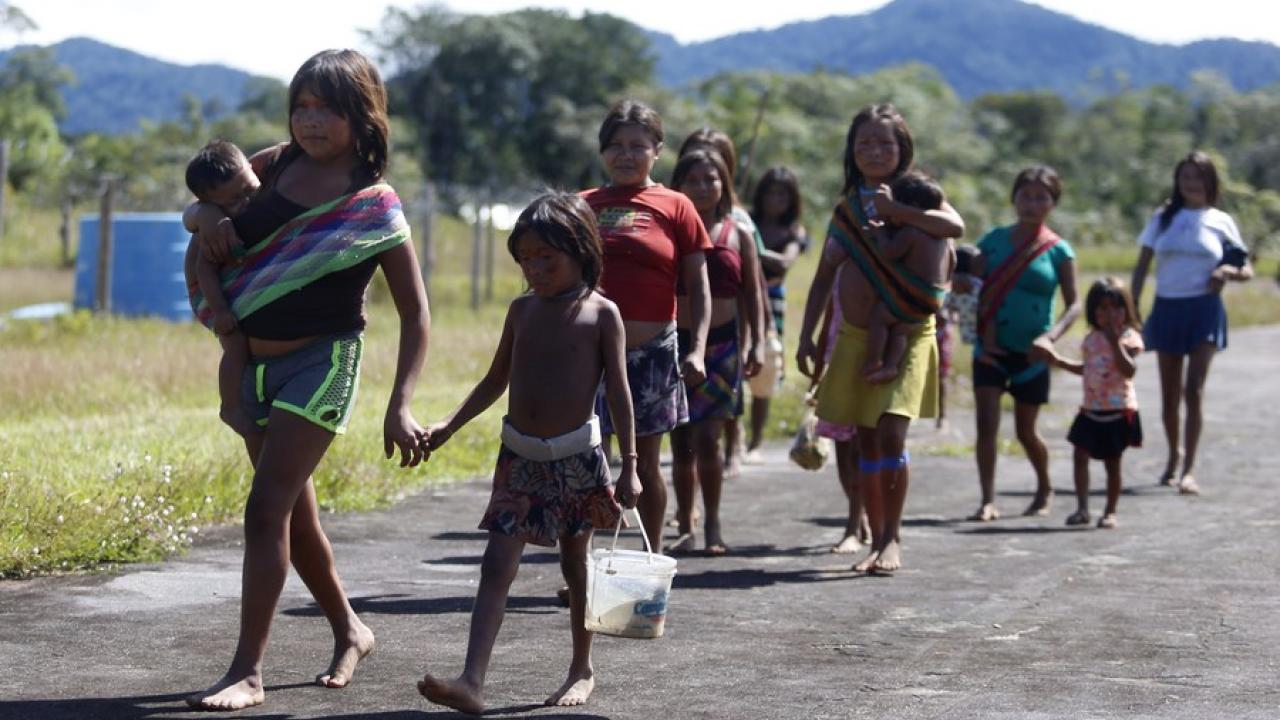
(146, 267)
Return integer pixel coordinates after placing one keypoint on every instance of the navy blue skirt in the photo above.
(1180, 325)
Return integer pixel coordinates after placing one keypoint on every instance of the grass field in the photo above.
(112, 451)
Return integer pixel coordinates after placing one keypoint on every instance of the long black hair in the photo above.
(349, 84)
(875, 113)
(1208, 175)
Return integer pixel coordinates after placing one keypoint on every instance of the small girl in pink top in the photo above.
(1108, 419)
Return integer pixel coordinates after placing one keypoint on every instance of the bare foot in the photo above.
(346, 655)
(1108, 521)
(575, 690)
(694, 516)
(563, 595)
(1188, 485)
(733, 468)
(682, 545)
(229, 694)
(1170, 475)
(715, 546)
(1079, 517)
(457, 694)
(890, 558)
(850, 544)
(986, 513)
(868, 562)
(716, 549)
(1039, 506)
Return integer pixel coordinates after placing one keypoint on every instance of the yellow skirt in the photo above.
(845, 398)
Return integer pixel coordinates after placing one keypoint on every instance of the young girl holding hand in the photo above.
(1108, 420)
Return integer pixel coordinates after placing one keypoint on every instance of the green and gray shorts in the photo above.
(317, 381)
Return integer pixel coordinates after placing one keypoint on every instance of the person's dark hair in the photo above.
(966, 254)
(717, 140)
(884, 112)
(631, 112)
(1041, 175)
(1114, 290)
(565, 222)
(215, 163)
(1208, 175)
(351, 86)
(917, 190)
(784, 177)
(705, 154)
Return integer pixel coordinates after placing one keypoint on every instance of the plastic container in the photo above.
(146, 265)
(627, 590)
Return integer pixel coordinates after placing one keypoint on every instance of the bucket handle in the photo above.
(613, 547)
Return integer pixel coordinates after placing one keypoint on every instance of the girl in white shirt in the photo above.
(1197, 249)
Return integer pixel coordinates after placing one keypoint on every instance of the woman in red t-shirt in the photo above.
(652, 235)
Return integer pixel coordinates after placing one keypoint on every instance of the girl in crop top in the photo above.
(306, 349)
(732, 266)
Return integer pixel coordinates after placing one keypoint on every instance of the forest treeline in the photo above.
(498, 106)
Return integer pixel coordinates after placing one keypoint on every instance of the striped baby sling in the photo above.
(337, 235)
(909, 297)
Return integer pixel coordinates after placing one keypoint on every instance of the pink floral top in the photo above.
(1105, 388)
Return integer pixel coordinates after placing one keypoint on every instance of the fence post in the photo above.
(4, 179)
(102, 301)
(427, 262)
(64, 230)
(489, 249)
(477, 240)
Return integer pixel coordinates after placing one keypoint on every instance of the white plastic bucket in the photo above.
(627, 590)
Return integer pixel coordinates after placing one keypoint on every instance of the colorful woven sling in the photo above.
(334, 236)
(910, 298)
(1000, 281)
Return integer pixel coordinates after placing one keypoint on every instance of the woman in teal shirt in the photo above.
(1023, 265)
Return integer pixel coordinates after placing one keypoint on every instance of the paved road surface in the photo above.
(1174, 615)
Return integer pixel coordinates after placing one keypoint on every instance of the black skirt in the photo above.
(1106, 433)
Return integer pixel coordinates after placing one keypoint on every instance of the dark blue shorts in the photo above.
(317, 381)
(1180, 325)
(1026, 381)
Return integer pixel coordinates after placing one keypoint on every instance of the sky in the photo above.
(289, 31)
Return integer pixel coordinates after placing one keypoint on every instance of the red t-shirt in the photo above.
(646, 232)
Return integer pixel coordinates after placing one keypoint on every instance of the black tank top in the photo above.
(331, 305)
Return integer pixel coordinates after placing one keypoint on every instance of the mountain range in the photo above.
(978, 46)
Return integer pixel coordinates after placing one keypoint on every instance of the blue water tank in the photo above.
(146, 265)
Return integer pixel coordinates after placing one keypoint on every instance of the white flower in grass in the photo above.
(59, 519)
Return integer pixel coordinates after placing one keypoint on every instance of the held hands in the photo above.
(436, 435)
(1042, 350)
(400, 430)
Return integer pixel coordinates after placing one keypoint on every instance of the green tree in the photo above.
(512, 99)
